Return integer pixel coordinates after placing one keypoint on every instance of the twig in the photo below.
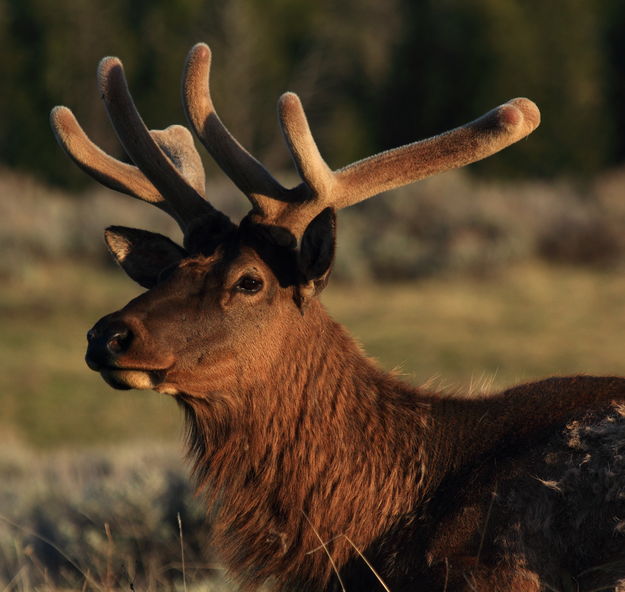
(14, 579)
(488, 513)
(55, 547)
(338, 536)
(108, 582)
(344, 536)
(327, 551)
(375, 573)
(184, 576)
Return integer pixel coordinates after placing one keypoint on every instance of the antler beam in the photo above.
(295, 208)
(168, 171)
(497, 129)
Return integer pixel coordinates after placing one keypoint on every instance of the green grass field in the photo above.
(463, 332)
(49, 396)
(525, 323)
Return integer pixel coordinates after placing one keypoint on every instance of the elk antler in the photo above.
(321, 188)
(168, 171)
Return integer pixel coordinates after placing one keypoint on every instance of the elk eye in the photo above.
(249, 284)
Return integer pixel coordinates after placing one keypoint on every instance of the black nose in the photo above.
(106, 342)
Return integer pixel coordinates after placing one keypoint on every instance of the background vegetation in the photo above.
(497, 284)
(372, 74)
(473, 280)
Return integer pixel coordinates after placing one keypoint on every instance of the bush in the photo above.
(105, 519)
(449, 223)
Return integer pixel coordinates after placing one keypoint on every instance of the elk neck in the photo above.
(325, 444)
(302, 451)
(301, 454)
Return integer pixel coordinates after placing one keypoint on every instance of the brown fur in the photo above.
(305, 449)
(299, 441)
(327, 445)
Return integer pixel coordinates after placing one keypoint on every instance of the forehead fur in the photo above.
(255, 243)
(276, 247)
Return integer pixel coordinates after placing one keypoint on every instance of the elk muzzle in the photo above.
(114, 349)
(106, 344)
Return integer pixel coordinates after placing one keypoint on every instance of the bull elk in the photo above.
(321, 471)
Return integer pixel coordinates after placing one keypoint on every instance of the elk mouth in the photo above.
(132, 378)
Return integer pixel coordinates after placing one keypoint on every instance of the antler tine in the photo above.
(483, 137)
(321, 188)
(247, 173)
(469, 143)
(317, 175)
(109, 171)
(189, 206)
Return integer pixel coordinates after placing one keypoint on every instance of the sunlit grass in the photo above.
(524, 323)
(48, 394)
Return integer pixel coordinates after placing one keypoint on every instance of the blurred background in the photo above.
(509, 270)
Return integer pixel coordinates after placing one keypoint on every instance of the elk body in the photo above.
(320, 471)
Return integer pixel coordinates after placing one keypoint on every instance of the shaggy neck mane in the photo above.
(285, 463)
(300, 459)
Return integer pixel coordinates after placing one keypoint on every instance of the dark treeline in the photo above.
(371, 74)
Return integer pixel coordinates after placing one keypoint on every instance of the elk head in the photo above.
(219, 309)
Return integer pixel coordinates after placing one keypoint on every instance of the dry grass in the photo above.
(527, 322)
(101, 520)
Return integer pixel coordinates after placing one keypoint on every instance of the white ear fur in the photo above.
(118, 245)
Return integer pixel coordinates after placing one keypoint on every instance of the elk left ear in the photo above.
(142, 255)
(315, 257)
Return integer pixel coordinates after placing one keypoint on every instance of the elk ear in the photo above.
(143, 255)
(315, 256)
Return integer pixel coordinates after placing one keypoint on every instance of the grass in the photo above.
(523, 323)
(527, 322)
(49, 396)
(110, 485)
(102, 520)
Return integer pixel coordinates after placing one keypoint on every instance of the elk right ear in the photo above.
(316, 256)
(142, 255)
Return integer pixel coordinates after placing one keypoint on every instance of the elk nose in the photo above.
(106, 344)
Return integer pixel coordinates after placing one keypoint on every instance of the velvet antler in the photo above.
(168, 171)
(321, 187)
